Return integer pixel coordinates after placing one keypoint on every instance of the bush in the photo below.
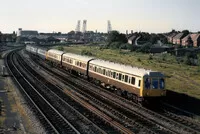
(138, 59)
(191, 59)
(145, 48)
(61, 48)
(150, 57)
(86, 52)
(114, 45)
(164, 57)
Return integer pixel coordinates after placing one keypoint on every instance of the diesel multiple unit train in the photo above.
(135, 83)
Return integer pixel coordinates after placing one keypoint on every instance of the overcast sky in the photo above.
(137, 15)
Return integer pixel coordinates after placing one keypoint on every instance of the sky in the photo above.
(152, 16)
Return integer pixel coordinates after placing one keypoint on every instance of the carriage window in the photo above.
(95, 69)
(155, 83)
(162, 83)
(111, 74)
(120, 76)
(104, 71)
(139, 83)
(114, 74)
(126, 78)
(133, 81)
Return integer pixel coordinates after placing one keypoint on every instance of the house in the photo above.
(131, 39)
(196, 40)
(178, 38)
(170, 37)
(191, 40)
(187, 41)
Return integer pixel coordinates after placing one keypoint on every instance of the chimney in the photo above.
(126, 32)
(131, 31)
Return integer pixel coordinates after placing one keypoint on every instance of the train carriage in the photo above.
(41, 52)
(76, 62)
(28, 48)
(129, 80)
(32, 49)
(55, 56)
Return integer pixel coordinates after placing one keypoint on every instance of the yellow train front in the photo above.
(153, 86)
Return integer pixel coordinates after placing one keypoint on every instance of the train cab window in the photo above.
(155, 83)
(126, 78)
(139, 83)
(147, 83)
(120, 76)
(133, 81)
(162, 83)
(114, 74)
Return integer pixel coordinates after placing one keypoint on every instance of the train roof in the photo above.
(79, 57)
(125, 68)
(58, 52)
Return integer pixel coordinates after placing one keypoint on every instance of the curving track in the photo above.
(52, 120)
(63, 99)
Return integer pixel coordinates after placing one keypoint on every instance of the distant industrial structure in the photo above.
(84, 26)
(109, 27)
(78, 26)
(25, 33)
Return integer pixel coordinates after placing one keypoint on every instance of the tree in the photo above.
(115, 36)
(145, 48)
(153, 39)
(185, 32)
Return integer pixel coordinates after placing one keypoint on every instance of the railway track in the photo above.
(52, 120)
(176, 126)
(130, 122)
(184, 117)
(107, 119)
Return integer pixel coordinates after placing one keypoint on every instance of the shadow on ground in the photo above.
(184, 101)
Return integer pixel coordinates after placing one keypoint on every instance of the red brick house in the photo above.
(187, 41)
(170, 37)
(191, 39)
(178, 38)
(196, 40)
